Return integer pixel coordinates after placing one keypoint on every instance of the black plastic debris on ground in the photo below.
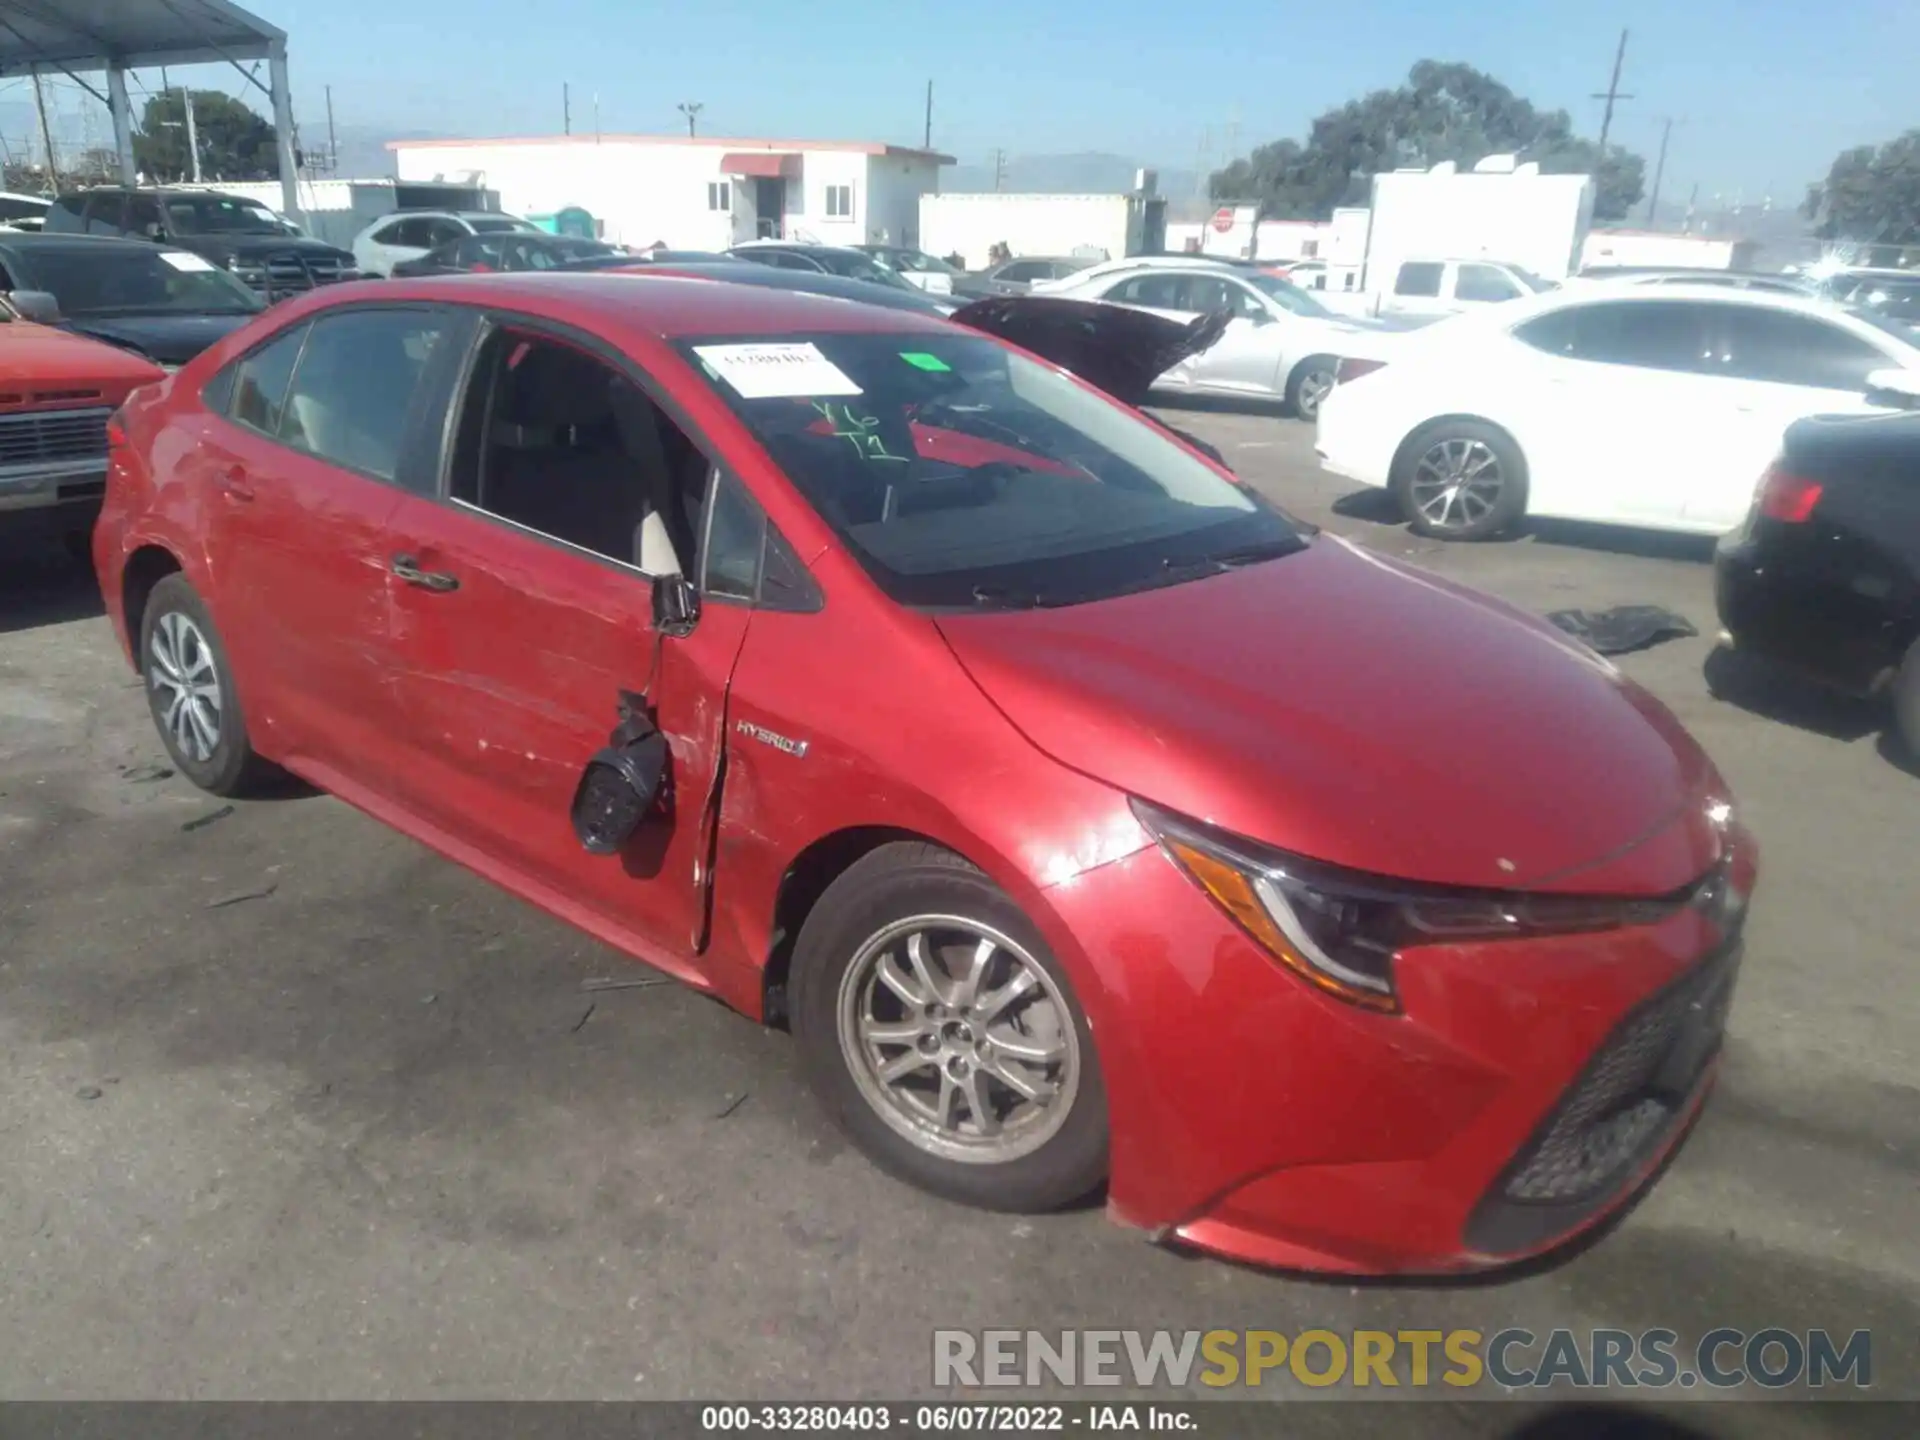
(202, 821)
(1624, 628)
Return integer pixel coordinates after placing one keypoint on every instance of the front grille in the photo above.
(1632, 1091)
(289, 272)
(47, 435)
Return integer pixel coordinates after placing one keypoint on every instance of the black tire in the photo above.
(1308, 385)
(1508, 504)
(1906, 703)
(884, 888)
(230, 767)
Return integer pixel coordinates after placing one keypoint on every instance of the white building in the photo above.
(695, 193)
(1099, 227)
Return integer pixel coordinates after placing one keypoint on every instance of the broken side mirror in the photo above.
(620, 784)
(39, 306)
(676, 605)
(1896, 389)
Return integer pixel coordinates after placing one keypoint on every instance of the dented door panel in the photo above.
(510, 681)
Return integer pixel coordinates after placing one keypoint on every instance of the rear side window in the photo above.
(1161, 292)
(259, 384)
(1029, 270)
(390, 234)
(1419, 278)
(353, 390)
(105, 214)
(1788, 349)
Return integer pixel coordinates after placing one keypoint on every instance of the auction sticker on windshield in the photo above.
(777, 371)
(186, 260)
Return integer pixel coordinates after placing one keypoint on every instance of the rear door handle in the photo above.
(234, 484)
(407, 567)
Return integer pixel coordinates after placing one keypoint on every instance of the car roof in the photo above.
(664, 307)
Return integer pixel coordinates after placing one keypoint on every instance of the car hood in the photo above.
(248, 247)
(169, 339)
(37, 359)
(1346, 707)
(1119, 350)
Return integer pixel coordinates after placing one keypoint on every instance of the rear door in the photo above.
(522, 618)
(324, 427)
(1619, 420)
(1774, 367)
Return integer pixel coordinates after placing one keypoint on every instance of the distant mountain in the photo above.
(363, 148)
(1091, 172)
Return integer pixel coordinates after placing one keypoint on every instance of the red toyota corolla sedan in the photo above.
(1088, 820)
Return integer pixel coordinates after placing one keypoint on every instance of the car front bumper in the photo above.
(46, 484)
(1255, 1118)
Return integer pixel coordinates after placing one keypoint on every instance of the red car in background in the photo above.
(1088, 820)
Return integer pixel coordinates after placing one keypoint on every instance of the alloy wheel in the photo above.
(959, 1040)
(185, 683)
(1315, 386)
(1456, 483)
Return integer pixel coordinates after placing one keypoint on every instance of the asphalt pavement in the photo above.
(292, 1108)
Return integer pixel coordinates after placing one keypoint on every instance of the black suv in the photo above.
(236, 234)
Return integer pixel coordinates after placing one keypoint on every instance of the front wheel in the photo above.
(944, 1037)
(1461, 480)
(1906, 702)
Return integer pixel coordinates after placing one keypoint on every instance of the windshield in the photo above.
(917, 262)
(855, 266)
(223, 215)
(960, 474)
(1887, 322)
(1286, 294)
(138, 280)
(487, 225)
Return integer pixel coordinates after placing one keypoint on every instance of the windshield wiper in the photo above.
(1012, 597)
(1233, 559)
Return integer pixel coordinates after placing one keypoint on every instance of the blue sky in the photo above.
(1768, 91)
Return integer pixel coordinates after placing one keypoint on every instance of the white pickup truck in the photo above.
(1430, 289)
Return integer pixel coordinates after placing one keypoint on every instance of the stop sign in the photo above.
(1223, 220)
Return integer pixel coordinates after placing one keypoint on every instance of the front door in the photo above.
(1247, 357)
(769, 207)
(302, 474)
(522, 617)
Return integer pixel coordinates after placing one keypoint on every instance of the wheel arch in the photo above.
(1299, 367)
(145, 568)
(807, 877)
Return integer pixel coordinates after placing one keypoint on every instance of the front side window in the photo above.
(960, 474)
(1485, 284)
(1287, 295)
(221, 215)
(855, 266)
(1788, 349)
(353, 389)
(105, 214)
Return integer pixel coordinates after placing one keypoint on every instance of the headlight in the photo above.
(1341, 930)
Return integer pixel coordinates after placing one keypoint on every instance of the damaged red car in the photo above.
(1096, 827)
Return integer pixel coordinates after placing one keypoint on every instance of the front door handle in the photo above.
(407, 567)
(234, 484)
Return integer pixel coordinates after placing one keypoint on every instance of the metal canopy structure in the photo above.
(76, 38)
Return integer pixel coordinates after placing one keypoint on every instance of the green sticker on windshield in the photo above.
(923, 361)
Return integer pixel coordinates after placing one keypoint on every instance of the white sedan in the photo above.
(1282, 343)
(1653, 407)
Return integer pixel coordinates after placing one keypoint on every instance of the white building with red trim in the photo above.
(695, 193)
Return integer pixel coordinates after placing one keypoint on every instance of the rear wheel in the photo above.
(1461, 480)
(944, 1038)
(191, 693)
(1310, 383)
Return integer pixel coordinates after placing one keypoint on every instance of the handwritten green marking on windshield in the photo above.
(923, 361)
(863, 433)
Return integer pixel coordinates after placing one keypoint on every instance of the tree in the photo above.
(1870, 194)
(1445, 111)
(235, 143)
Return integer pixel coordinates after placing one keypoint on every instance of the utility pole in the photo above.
(926, 142)
(1612, 93)
(1659, 169)
(193, 135)
(566, 109)
(333, 146)
(46, 134)
(691, 109)
(999, 170)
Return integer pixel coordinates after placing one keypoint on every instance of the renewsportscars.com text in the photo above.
(1510, 1359)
